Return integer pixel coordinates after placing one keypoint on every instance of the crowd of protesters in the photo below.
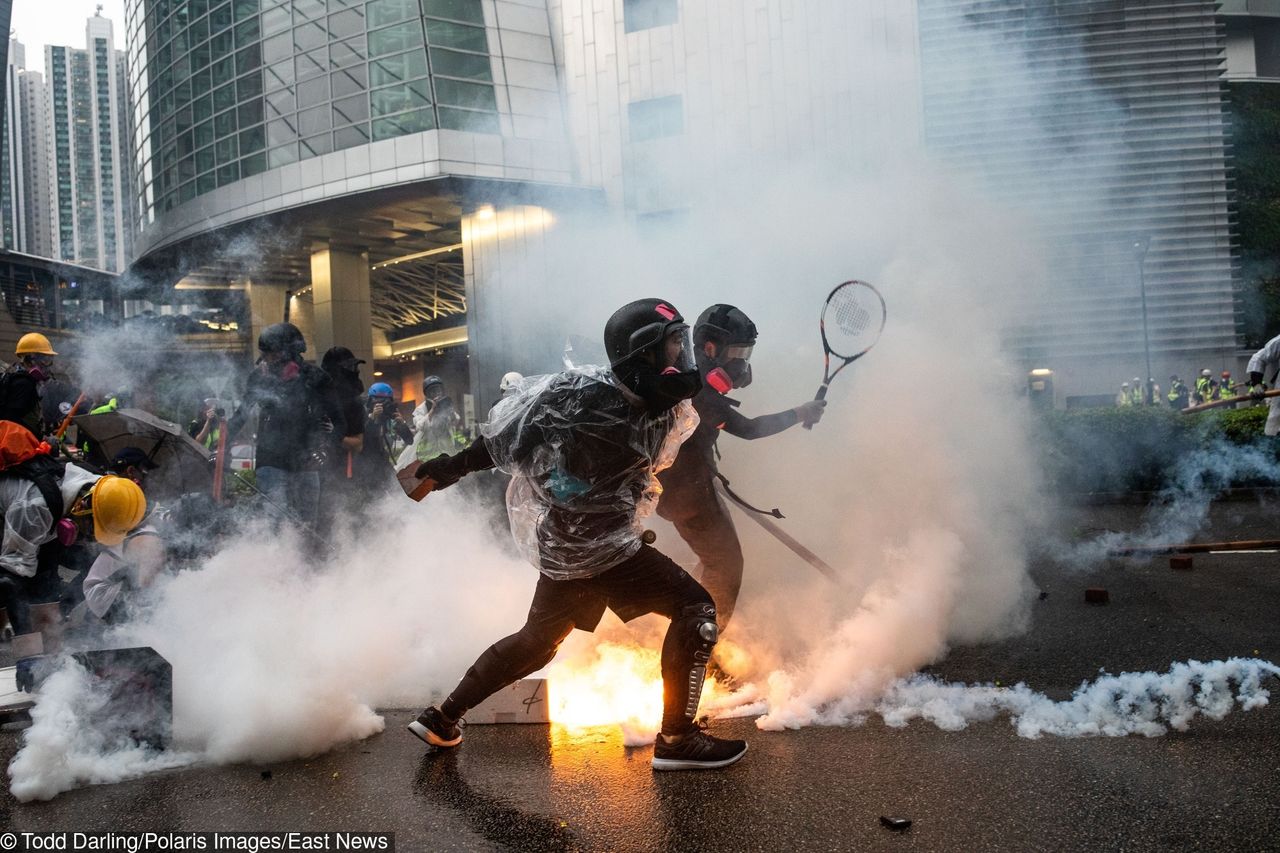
(324, 446)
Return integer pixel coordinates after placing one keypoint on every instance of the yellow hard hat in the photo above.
(118, 506)
(34, 343)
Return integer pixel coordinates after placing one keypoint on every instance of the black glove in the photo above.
(442, 470)
(1256, 388)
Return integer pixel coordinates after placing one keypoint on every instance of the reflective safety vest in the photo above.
(1202, 388)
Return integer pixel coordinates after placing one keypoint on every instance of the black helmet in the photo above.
(282, 337)
(734, 336)
(638, 327)
(642, 327)
(724, 324)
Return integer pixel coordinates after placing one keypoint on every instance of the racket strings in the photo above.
(852, 317)
(857, 316)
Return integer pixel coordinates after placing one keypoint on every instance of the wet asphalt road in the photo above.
(1215, 787)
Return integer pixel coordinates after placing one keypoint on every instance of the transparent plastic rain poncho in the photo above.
(582, 460)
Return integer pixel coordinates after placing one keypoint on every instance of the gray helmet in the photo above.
(429, 382)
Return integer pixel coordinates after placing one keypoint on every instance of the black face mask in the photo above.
(661, 392)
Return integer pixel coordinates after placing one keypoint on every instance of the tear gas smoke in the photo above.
(277, 655)
(66, 745)
(920, 484)
(1145, 703)
(1180, 511)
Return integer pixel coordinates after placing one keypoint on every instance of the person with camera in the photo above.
(296, 415)
(384, 429)
(204, 427)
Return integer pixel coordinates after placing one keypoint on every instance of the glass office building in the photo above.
(227, 90)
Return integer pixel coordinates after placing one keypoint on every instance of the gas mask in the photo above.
(40, 369)
(66, 532)
(733, 368)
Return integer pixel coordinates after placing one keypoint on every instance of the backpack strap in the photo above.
(46, 473)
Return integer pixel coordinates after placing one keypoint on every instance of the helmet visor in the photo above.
(742, 351)
(677, 350)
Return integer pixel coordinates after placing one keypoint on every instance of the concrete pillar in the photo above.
(514, 319)
(266, 306)
(302, 313)
(340, 295)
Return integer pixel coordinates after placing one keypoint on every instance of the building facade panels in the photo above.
(1114, 113)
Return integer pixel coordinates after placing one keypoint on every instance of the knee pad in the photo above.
(697, 637)
(698, 630)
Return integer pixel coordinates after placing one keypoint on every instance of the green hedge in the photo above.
(1136, 449)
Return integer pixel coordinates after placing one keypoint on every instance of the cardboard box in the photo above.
(522, 702)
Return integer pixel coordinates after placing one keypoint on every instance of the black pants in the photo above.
(702, 520)
(648, 582)
(18, 594)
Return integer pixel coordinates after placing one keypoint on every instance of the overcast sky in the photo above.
(40, 22)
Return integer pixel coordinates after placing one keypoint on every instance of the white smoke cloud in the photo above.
(277, 654)
(67, 745)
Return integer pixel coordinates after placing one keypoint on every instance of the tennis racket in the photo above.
(852, 320)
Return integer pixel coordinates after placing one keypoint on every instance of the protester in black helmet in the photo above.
(723, 338)
(582, 448)
(296, 414)
(347, 439)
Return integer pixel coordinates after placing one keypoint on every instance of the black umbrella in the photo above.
(184, 464)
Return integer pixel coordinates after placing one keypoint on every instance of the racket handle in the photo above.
(821, 395)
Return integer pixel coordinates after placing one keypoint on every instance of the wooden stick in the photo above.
(1243, 398)
(220, 460)
(1196, 548)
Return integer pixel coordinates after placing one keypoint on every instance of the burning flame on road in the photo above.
(616, 685)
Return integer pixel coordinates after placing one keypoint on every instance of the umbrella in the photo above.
(184, 464)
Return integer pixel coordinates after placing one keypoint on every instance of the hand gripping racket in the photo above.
(852, 320)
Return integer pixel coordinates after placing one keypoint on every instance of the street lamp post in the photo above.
(1140, 246)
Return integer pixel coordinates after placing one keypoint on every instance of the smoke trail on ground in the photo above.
(1145, 703)
(1181, 510)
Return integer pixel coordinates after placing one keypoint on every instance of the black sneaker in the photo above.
(433, 728)
(697, 750)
